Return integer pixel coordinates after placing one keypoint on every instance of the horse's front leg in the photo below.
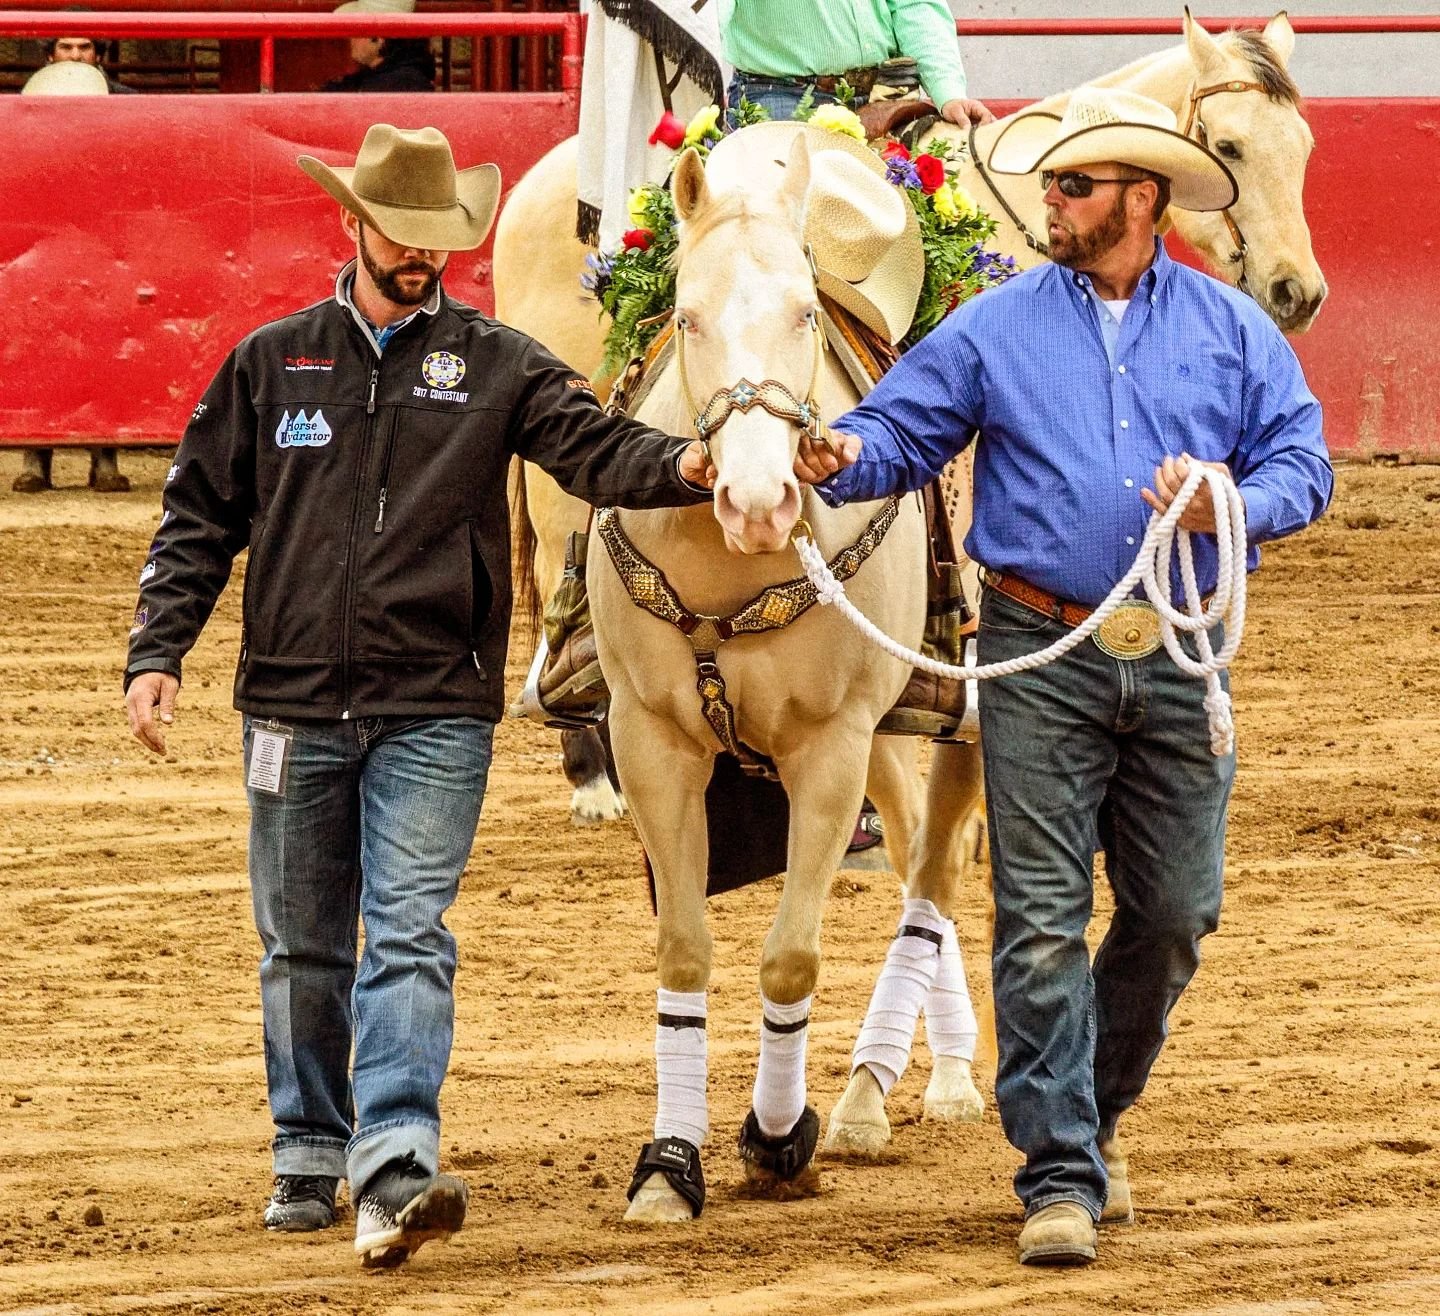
(923, 970)
(826, 784)
(664, 776)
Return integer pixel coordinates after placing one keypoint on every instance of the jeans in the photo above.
(1090, 753)
(780, 97)
(375, 823)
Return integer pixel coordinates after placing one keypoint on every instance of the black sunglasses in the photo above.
(1078, 185)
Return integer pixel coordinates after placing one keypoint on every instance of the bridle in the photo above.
(1193, 120)
(769, 394)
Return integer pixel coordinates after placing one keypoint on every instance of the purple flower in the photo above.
(597, 272)
(901, 172)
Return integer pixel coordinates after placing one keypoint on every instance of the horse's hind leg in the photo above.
(596, 798)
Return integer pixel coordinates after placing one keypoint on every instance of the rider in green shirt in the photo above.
(781, 51)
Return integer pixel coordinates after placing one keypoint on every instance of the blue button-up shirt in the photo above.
(1067, 439)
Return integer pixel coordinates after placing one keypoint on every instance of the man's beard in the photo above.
(388, 281)
(1076, 252)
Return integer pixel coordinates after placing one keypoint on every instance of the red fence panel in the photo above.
(140, 239)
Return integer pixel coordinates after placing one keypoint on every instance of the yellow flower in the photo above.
(966, 203)
(636, 207)
(703, 125)
(952, 203)
(837, 119)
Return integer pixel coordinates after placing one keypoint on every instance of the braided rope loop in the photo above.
(1163, 537)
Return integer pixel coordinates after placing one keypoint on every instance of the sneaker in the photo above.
(301, 1203)
(401, 1208)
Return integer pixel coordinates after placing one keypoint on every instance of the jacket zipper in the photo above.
(347, 622)
(385, 464)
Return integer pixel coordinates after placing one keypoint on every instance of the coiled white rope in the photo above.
(1152, 567)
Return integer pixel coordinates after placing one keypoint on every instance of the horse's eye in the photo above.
(1227, 150)
(684, 321)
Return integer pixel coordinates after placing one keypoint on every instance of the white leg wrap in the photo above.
(911, 963)
(680, 1069)
(780, 1076)
(950, 1025)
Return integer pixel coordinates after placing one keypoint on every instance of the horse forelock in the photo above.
(1269, 72)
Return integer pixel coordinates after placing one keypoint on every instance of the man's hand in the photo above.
(696, 466)
(964, 111)
(146, 692)
(1200, 513)
(819, 461)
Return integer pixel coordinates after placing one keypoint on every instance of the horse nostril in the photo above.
(1286, 295)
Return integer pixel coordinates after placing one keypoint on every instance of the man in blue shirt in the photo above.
(1087, 380)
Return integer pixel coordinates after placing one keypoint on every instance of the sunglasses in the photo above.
(1078, 185)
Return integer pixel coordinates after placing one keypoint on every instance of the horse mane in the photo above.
(1269, 72)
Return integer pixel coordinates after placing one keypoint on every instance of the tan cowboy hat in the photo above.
(1105, 123)
(66, 78)
(868, 253)
(404, 184)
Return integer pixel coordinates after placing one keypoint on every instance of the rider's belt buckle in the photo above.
(1132, 631)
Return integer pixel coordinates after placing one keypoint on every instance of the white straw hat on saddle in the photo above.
(1105, 123)
(863, 231)
(404, 184)
(66, 78)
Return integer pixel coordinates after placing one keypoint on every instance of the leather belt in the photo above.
(1132, 631)
(1037, 599)
(861, 81)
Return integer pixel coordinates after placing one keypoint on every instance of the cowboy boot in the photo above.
(34, 474)
(928, 706)
(572, 681)
(105, 474)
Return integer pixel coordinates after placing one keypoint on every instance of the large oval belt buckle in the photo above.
(1132, 631)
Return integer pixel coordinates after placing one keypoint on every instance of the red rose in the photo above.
(931, 170)
(638, 239)
(670, 131)
(894, 151)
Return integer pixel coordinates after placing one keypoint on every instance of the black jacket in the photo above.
(406, 66)
(371, 492)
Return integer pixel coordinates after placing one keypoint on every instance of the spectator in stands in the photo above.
(72, 69)
(386, 63)
(782, 52)
(83, 50)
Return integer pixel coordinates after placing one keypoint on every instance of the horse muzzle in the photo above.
(757, 519)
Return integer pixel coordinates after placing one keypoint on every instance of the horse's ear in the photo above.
(688, 187)
(797, 180)
(1281, 37)
(1205, 52)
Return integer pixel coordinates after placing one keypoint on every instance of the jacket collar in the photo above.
(345, 281)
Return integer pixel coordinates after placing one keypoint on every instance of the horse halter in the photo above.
(1192, 119)
(769, 394)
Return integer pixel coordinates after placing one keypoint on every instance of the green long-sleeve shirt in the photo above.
(792, 38)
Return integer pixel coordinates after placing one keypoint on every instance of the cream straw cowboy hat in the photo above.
(866, 239)
(67, 78)
(1104, 123)
(404, 184)
(376, 7)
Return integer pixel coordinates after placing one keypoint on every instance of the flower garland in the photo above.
(636, 284)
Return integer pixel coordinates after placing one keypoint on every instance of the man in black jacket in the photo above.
(359, 449)
(386, 63)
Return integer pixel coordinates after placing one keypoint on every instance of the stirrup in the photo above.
(533, 709)
(679, 1162)
(785, 1156)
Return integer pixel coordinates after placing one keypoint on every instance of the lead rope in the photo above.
(1152, 567)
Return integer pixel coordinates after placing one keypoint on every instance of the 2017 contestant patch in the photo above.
(443, 370)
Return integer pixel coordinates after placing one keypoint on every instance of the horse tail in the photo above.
(528, 604)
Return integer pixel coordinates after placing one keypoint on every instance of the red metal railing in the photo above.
(267, 28)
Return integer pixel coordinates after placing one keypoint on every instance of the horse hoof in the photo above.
(115, 483)
(28, 482)
(656, 1203)
(858, 1124)
(951, 1093)
(769, 1160)
(596, 802)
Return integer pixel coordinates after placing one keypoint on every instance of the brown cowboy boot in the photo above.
(572, 681)
(928, 706)
(34, 474)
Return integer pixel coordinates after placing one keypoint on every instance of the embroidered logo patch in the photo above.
(303, 431)
(322, 363)
(442, 370)
(142, 616)
(172, 473)
(147, 571)
(200, 409)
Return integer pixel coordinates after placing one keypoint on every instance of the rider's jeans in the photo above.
(1090, 753)
(780, 97)
(375, 823)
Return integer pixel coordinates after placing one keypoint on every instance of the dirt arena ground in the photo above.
(1285, 1160)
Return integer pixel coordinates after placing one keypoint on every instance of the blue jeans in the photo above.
(375, 823)
(780, 97)
(1090, 753)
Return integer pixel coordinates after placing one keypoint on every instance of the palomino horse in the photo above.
(1233, 91)
(807, 695)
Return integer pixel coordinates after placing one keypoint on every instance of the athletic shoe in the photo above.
(402, 1208)
(301, 1203)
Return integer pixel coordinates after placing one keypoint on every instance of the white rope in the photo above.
(1152, 567)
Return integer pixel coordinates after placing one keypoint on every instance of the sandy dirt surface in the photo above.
(1285, 1160)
